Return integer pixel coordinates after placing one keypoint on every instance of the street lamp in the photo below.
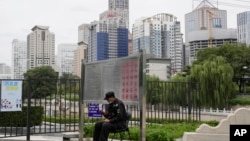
(244, 78)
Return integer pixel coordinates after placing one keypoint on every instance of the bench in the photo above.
(69, 135)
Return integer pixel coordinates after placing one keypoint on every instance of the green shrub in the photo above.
(241, 100)
(212, 123)
(156, 132)
(19, 118)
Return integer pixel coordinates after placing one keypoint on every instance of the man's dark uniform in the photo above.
(117, 116)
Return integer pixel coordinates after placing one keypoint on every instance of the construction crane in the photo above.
(211, 16)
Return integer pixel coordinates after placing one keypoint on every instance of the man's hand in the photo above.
(102, 112)
(106, 120)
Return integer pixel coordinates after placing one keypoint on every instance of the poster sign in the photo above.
(93, 110)
(130, 81)
(11, 96)
(120, 75)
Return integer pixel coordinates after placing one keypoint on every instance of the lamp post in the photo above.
(244, 78)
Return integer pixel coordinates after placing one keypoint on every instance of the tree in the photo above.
(69, 82)
(154, 87)
(237, 55)
(214, 77)
(41, 81)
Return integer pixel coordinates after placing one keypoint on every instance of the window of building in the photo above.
(191, 25)
(217, 22)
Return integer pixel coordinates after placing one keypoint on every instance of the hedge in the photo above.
(19, 118)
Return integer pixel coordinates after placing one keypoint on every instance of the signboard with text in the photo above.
(94, 110)
(11, 96)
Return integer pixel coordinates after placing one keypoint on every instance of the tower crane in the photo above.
(211, 15)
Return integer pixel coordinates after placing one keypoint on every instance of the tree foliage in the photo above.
(237, 55)
(69, 83)
(40, 81)
(172, 93)
(154, 89)
(214, 77)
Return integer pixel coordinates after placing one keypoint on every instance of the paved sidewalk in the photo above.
(43, 138)
(32, 138)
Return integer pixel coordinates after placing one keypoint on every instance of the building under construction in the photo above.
(206, 26)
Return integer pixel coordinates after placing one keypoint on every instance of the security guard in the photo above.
(115, 118)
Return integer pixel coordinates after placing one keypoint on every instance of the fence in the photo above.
(48, 106)
(52, 106)
(168, 101)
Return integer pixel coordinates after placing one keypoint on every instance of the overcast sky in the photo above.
(18, 17)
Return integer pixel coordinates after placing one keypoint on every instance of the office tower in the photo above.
(65, 58)
(160, 35)
(80, 55)
(41, 47)
(206, 26)
(83, 33)
(243, 27)
(121, 8)
(108, 37)
(18, 59)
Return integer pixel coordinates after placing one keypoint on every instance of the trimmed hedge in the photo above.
(19, 118)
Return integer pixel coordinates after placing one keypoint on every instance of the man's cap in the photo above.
(109, 94)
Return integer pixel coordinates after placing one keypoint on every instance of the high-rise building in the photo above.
(65, 58)
(161, 36)
(243, 27)
(159, 67)
(5, 71)
(79, 55)
(118, 7)
(18, 59)
(40, 47)
(83, 33)
(108, 37)
(130, 43)
(206, 26)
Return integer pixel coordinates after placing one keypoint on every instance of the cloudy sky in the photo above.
(17, 17)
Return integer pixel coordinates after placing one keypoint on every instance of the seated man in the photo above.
(115, 118)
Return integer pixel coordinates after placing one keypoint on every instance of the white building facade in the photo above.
(65, 58)
(18, 59)
(41, 47)
(206, 26)
(83, 33)
(160, 68)
(243, 27)
(161, 36)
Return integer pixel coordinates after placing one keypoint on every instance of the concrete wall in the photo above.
(221, 131)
